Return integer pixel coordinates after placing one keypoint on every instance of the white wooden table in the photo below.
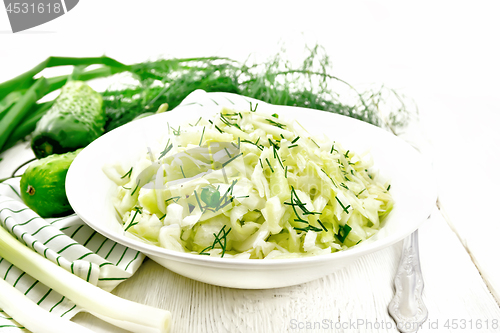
(442, 54)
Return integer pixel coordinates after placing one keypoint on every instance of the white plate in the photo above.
(412, 187)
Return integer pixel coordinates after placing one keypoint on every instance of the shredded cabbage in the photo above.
(245, 184)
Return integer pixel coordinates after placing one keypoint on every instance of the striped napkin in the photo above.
(66, 241)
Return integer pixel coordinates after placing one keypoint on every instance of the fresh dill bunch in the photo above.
(276, 81)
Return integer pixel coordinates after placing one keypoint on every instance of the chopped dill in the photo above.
(343, 232)
(267, 161)
(128, 174)
(175, 199)
(176, 132)
(253, 110)
(322, 225)
(231, 159)
(295, 140)
(330, 178)
(136, 187)
(166, 150)
(254, 143)
(291, 146)
(342, 205)
(220, 239)
(272, 144)
(202, 133)
(357, 195)
(275, 123)
(388, 187)
(182, 170)
(131, 224)
(315, 143)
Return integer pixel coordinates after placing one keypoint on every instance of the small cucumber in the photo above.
(75, 120)
(43, 185)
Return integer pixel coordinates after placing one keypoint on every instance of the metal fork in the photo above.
(407, 308)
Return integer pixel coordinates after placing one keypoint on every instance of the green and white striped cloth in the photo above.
(67, 241)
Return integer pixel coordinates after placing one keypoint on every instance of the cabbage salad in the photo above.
(245, 184)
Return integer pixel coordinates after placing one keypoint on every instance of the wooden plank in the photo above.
(354, 299)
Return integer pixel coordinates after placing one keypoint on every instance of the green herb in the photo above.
(333, 149)
(231, 159)
(182, 171)
(220, 238)
(275, 123)
(254, 143)
(292, 146)
(128, 174)
(195, 123)
(165, 151)
(273, 144)
(389, 187)
(176, 132)
(136, 187)
(344, 186)
(175, 199)
(253, 110)
(322, 225)
(286, 171)
(357, 195)
(270, 167)
(343, 232)
(131, 224)
(342, 205)
(202, 133)
(309, 227)
(330, 178)
(315, 143)
(276, 81)
(295, 140)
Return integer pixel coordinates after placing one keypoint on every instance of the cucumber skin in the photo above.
(46, 178)
(76, 119)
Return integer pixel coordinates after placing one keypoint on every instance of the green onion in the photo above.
(15, 115)
(104, 305)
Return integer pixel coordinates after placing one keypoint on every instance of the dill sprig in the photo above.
(343, 232)
(165, 151)
(128, 174)
(309, 84)
(221, 239)
(131, 224)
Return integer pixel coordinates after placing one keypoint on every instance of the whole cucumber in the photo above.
(75, 119)
(43, 185)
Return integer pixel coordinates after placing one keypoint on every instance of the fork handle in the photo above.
(407, 307)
